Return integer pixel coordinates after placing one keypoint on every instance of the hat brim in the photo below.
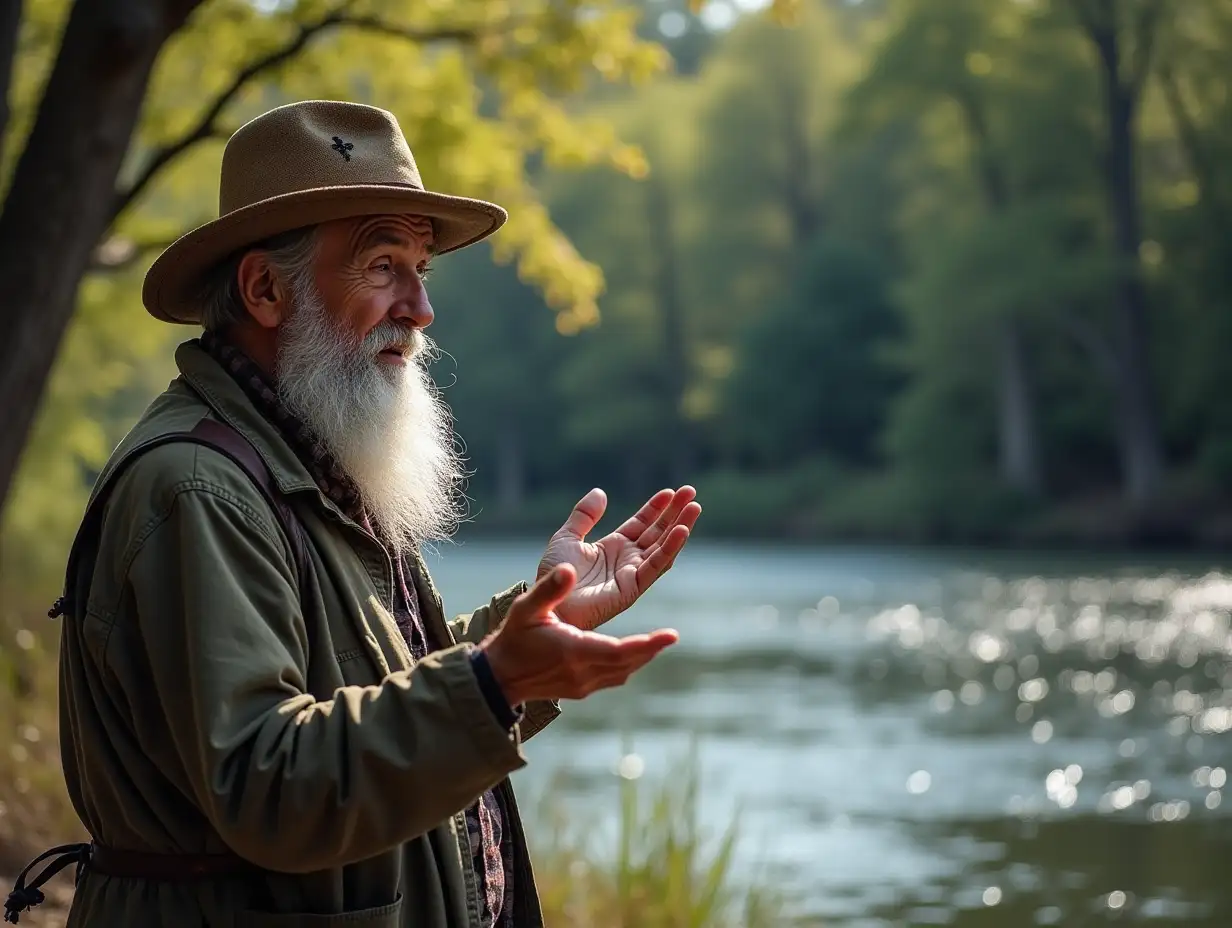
(172, 284)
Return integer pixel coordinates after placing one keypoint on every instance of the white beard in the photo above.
(386, 425)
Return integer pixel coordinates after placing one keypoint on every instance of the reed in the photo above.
(663, 868)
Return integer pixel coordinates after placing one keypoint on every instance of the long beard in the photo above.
(386, 425)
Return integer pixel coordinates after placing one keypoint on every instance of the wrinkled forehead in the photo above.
(399, 230)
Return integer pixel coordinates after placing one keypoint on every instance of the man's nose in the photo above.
(412, 305)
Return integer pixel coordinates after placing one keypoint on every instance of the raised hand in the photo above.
(534, 655)
(618, 568)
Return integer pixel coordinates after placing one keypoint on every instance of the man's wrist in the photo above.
(507, 715)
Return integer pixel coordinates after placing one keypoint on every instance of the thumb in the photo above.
(586, 514)
(544, 596)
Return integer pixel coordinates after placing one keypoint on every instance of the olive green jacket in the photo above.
(205, 709)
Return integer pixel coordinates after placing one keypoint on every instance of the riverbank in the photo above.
(815, 504)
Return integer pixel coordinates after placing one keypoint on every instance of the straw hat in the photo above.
(299, 165)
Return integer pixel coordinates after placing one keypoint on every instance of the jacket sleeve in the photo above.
(473, 626)
(290, 782)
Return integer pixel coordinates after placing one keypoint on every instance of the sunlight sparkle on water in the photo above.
(992, 895)
(919, 782)
(1122, 702)
(1215, 721)
(972, 693)
(1116, 899)
(766, 616)
(1033, 690)
(1060, 790)
(1123, 797)
(986, 647)
(1041, 731)
(1169, 811)
(1048, 915)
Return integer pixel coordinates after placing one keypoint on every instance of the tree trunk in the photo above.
(671, 315)
(63, 185)
(1138, 427)
(1018, 421)
(10, 25)
(801, 201)
(1019, 432)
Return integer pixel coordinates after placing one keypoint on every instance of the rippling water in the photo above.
(924, 738)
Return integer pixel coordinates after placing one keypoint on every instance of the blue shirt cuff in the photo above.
(507, 715)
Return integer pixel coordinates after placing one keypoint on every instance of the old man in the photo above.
(266, 719)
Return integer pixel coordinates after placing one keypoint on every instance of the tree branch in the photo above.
(10, 25)
(118, 253)
(1101, 29)
(1145, 32)
(207, 126)
(1086, 17)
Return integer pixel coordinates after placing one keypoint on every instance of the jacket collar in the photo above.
(228, 401)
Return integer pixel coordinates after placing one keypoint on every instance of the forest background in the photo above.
(925, 271)
(943, 271)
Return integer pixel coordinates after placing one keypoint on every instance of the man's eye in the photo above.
(384, 266)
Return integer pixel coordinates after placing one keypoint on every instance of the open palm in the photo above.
(618, 568)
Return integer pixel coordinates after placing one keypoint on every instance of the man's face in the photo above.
(352, 363)
(370, 274)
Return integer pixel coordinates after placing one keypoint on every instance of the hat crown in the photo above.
(312, 144)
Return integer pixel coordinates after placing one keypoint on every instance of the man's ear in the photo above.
(264, 294)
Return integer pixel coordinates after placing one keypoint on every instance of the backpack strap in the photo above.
(212, 434)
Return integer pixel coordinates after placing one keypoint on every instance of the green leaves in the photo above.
(478, 87)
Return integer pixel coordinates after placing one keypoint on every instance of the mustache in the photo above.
(391, 336)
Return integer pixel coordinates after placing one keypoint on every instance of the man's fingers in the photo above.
(586, 514)
(645, 517)
(668, 517)
(688, 518)
(662, 556)
(596, 648)
(656, 563)
(637, 651)
(544, 595)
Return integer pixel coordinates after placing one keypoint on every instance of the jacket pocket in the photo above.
(385, 916)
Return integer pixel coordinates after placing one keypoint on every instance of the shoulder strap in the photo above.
(213, 434)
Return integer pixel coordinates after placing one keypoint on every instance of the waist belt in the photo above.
(114, 861)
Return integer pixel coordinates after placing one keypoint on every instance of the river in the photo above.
(919, 737)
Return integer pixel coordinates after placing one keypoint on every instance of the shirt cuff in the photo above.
(506, 715)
